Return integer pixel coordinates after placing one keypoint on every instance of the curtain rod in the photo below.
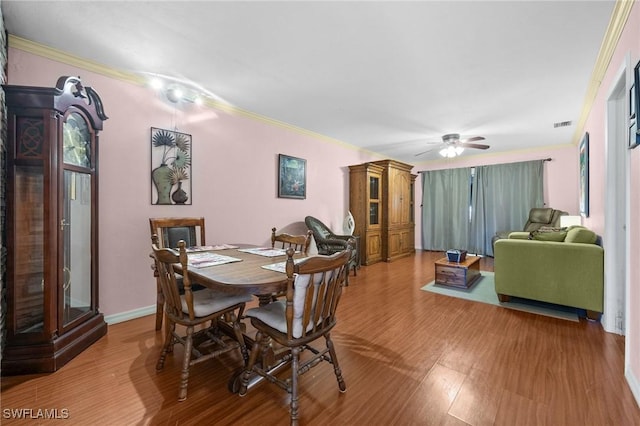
(543, 160)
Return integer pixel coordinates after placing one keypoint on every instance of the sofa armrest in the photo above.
(519, 235)
(570, 274)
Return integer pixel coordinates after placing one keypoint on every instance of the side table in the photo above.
(458, 274)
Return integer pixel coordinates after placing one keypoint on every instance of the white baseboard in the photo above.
(634, 384)
(129, 315)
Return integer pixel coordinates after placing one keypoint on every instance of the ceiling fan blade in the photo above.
(474, 145)
(427, 151)
(473, 139)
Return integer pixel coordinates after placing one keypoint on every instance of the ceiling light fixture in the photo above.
(179, 90)
(451, 151)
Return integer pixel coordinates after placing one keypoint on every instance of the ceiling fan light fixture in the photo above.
(451, 151)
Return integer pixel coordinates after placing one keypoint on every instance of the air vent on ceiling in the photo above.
(562, 124)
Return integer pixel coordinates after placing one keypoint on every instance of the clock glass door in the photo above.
(77, 141)
(76, 222)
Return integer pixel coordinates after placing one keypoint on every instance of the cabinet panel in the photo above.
(399, 184)
(373, 247)
(395, 245)
(28, 261)
(407, 242)
(366, 203)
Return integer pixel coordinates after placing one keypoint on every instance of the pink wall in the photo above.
(629, 44)
(233, 169)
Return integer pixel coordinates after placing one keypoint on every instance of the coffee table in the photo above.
(458, 274)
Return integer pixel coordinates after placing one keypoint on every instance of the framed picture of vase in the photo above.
(583, 149)
(292, 177)
(170, 167)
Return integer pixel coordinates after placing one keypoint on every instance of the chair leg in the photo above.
(239, 336)
(168, 344)
(295, 365)
(159, 306)
(336, 366)
(186, 361)
(253, 358)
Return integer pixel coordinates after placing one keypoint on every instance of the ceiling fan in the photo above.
(452, 145)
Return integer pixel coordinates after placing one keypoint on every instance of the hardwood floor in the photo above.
(409, 357)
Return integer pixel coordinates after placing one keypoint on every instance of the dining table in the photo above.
(243, 276)
(254, 270)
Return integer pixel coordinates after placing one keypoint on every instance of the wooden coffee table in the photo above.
(458, 274)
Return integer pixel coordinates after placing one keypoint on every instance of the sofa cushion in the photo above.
(548, 234)
(580, 234)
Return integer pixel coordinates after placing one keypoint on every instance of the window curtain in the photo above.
(501, 198)
(445, 209)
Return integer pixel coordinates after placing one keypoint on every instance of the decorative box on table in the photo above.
(456, 255)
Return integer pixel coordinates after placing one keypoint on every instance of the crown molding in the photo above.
(38, 49)
(618, 20)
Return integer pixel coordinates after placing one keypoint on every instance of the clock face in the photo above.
(76, 141)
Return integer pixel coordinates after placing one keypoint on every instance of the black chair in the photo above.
(329, 243)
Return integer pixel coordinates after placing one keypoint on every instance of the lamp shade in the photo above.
(566, 221)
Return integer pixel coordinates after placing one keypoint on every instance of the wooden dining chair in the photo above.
(170, 230)
(308, 313)
(299, 243)
(195, 308)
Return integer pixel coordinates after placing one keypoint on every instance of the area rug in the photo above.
(484, 291)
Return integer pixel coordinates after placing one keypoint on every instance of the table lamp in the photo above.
(566, 221)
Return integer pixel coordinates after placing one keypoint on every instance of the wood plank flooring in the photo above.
(409, 357)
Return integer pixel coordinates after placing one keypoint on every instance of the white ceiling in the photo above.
(386, 76)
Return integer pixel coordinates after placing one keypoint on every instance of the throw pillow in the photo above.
(548, 234)
(580, 234)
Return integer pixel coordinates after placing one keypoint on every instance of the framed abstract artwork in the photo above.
(584, 175)
(292, 177)
(634, 136)
(170, 167)
(634, 109)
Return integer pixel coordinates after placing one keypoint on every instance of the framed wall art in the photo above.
(635, 101)
(584, 175)
(633, 137)
(292, 177)
(170, 167)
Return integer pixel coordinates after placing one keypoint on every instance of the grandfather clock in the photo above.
(52, 225)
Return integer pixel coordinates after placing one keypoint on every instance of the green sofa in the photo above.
(565, 267)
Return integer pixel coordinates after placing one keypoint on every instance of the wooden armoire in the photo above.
(52, 225)
(382, 201)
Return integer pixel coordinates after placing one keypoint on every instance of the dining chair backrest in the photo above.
(170, 230)
(165, 259)
(314, 288)
(299, 243)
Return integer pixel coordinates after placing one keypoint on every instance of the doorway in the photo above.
(616, 241)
